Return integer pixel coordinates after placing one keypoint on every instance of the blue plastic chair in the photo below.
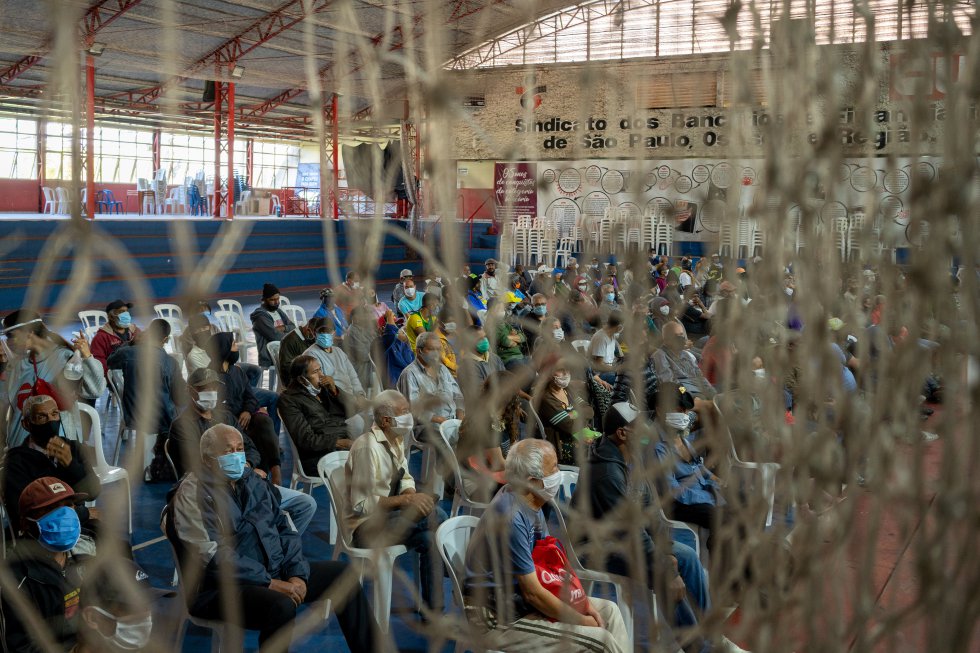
(106, 203)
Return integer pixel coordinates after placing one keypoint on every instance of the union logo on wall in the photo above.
(531, 92)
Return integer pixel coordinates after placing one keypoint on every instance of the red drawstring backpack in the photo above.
(556, 575)
(40, 387)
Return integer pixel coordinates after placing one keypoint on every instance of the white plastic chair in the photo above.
(767, 471)
(333, 473)
(590, 577)
(61, 204)
(107, 473)
(92, 321)
(569, 479)
(295, 312)
(244, 205)
(452, 539)
(275, 378)
(231, 322)
(462, 502)
(581, 346)
(167, 311)
(224, 636)
(300, 478)
(50, 203)
(283, 300)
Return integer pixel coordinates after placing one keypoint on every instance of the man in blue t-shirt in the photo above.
(504, 599)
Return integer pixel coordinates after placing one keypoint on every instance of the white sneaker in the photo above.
(728, 646)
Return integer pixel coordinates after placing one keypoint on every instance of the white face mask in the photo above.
(355, 285)
(760, 373)
(789, 292)
(403, 424)
(552, 484)
(665, 309)
(559, 334)
(308, 385)
(449, 327)
(563, 380)
(130, 635)
(207, 400)
(410, 293)
(679, 421)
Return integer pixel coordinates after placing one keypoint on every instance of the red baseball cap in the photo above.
(44, 492)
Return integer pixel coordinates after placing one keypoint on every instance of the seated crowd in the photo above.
(504, 379)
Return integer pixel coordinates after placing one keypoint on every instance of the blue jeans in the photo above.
(300, 506)
(696, 581)
(269, 400)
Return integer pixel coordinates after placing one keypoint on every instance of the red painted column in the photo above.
(250, 161)
(335, 177)
(230, 137)
(216, 201)
(90, 137)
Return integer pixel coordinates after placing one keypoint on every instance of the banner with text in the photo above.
(514, 190)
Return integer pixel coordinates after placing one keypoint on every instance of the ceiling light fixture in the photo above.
(96, 49)
(237, 72)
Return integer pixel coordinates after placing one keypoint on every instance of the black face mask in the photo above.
(232, 358)
(41, 434)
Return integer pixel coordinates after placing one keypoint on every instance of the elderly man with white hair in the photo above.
(429, 386)
(231, 519)
(503, 597)
(383, 507)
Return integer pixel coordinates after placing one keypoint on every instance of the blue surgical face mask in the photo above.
(124, 319)
(232, 464)
(325, 340)
(541, 309)
(59, 529)
(610, 297)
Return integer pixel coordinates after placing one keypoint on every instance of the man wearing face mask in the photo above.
(313, 409)
(503, 597)
(612, 488)
(674, 364)
(429, 387)
(476, 364)
(489, 286)
(331, 312)
(537, 322)
(411, 302)
(203, 411)
(227, 525)
(294, 344)
(45, 572)
(117, 331)
(269, 324)
(509, 337)
(384, 508)
(424, 320)
(46, 453)
(349, 294)
(115, 610)
(335, 364)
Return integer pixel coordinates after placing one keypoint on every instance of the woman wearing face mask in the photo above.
(447, 328)
(239, 398)
(584, 287)
(398, 353)
(39, 357)
(43, 569)
(565, 412)
(692, 488)
(198, 333)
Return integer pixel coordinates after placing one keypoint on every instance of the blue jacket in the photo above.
(398, 354)
(264, 546)
(689, 482)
